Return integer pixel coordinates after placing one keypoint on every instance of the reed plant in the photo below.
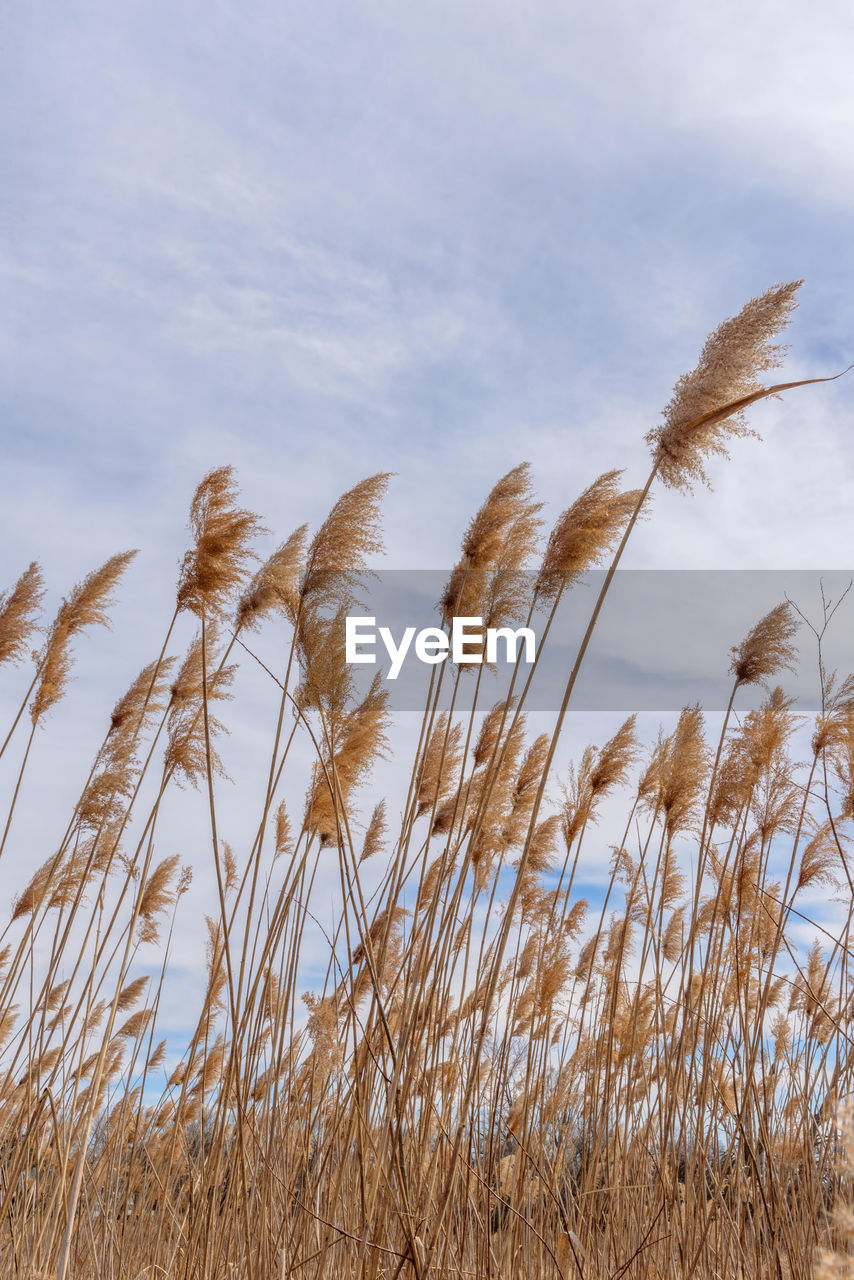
(495, 1078)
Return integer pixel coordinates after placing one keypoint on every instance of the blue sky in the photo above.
(320, 240)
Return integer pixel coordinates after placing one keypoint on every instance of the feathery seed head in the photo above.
(185, 750)
(85, 607)
(375, 833)
(439, 765)
(585, 533)
(157, 894)
(284, 841)
(18, 612)
(338, 551)
(488, 581)
(217, 563)
(703, 413)
(275, 587)
(767, 648)
(131, 992)
(357, 743)
(615, 759)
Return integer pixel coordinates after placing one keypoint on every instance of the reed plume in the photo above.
(338, 551)
(218, 562)
(488, 580)
(157, 894)
(733, 356)
(86, 607)
(682, 772)
(439, 766)
(275, 587)
(115, 770)
(585, 532)
(186, 752)
(375, 834)
(358, 742)
(19, 609)
(284, 839)
(767, 648)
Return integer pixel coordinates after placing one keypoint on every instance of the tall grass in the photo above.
(495, 1079)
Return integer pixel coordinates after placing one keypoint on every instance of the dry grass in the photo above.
(494, 1080)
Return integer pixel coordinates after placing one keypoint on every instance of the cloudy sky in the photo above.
(320, 240)
(315, 240)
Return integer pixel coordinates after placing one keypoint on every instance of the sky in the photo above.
(320, 240)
